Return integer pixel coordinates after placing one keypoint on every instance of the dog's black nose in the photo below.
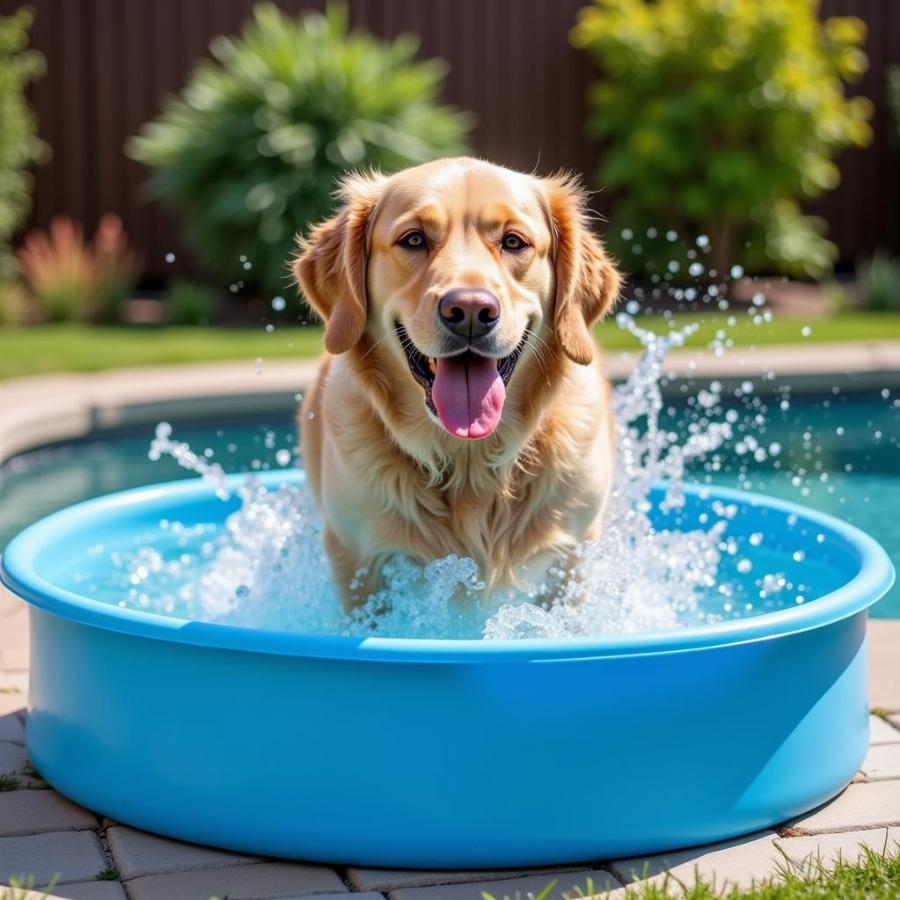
(469, 312)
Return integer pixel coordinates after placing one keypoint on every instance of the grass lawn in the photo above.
(85, 348)
(876, 876)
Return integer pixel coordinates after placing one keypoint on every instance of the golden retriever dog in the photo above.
(462, 408)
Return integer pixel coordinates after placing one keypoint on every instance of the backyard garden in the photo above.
(704, 191)
(160, 168)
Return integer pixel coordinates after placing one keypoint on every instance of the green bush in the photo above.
(20, 146)
(879, 283)
(190, 303)
(250, 152)
(718, 118)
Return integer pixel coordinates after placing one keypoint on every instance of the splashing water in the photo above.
(268, 569)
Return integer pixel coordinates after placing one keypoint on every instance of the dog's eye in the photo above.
(413, 240)
(512, 242)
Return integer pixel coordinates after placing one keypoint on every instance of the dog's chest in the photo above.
(501, 530)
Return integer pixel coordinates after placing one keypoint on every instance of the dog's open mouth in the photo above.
(465, 391)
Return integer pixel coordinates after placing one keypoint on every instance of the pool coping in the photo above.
(44, 409)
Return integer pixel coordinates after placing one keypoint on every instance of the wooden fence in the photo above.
(111, 62)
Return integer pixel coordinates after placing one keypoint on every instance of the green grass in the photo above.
(22, 888)
(9, 781)
(107, 875)
(84, 348)
(876, 876)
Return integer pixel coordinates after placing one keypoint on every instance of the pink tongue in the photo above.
(468, 394)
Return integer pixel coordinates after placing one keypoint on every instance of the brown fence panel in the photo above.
(110, 63)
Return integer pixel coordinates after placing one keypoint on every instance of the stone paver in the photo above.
(12, 701)
(34, 812)
(391, 879)
(368, 895)
(883, 732)
(13, 759)
(566, 882)
(138, 853)
(251, 882)
(829, 847)
(71, 855)
(13, 681)
(83, 890)
(884, 665)
(12, 728)
(882, 761)
(860, 806)
(14, 649)
(739, 862)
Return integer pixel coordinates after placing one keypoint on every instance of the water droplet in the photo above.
(170, 258)
(278, 303)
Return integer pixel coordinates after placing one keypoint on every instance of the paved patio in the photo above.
(44, 835)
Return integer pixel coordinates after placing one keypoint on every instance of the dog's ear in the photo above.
(331, 264)
(587, 282)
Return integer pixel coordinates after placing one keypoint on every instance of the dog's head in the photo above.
(461, 275)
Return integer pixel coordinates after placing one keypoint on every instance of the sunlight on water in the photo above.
(267, 567)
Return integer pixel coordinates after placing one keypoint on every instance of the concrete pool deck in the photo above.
(44, 835)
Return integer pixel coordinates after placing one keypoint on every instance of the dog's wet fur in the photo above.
(480, 425)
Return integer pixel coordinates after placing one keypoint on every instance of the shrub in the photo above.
(116, 268)
(20, 146)
(250, 152)
(879, 283)
(718, 118)
(189, 303)
(71, 279)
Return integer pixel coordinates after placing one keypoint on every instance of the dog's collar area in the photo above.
(423, 368)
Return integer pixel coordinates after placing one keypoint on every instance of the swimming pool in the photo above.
(837, 453)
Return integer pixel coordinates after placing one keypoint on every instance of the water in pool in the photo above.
(785, 447)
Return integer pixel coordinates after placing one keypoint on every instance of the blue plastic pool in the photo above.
(439, 753)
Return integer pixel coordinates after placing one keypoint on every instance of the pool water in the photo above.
(838, 453)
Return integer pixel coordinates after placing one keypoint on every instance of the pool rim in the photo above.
(18, 574)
